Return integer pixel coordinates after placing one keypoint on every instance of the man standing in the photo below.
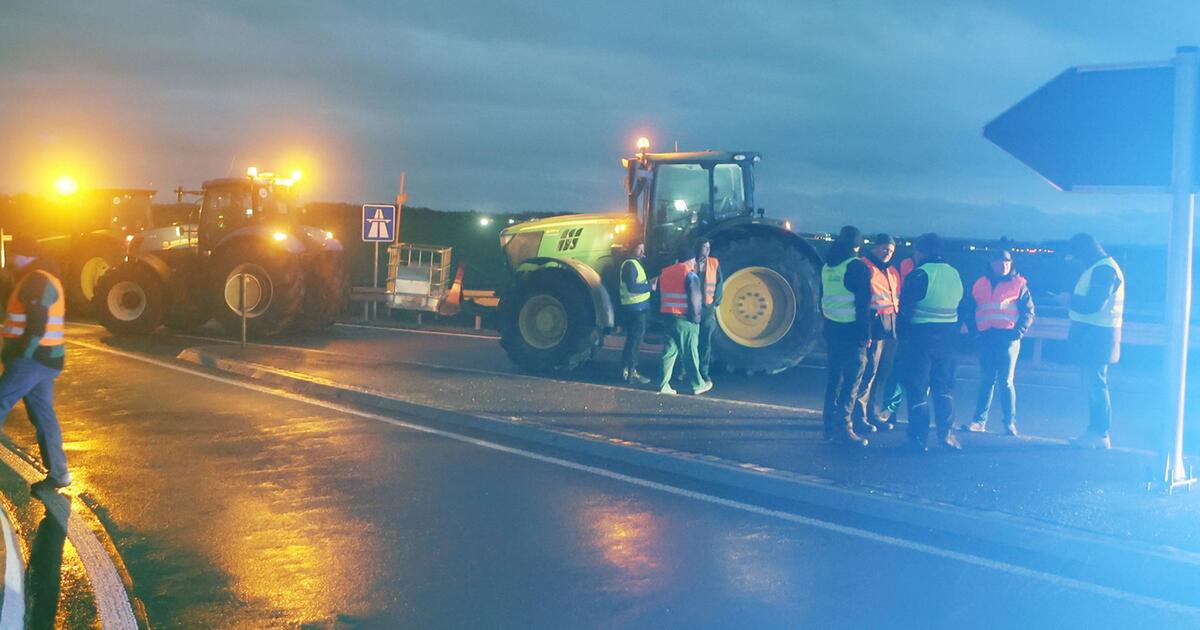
(846, 305)
(708, 269)
(635, 306)
(881, 350)
(682, 298)
(1000, 310)
(33, 352)
(928, 327)
(892, 394)
(1097, 307)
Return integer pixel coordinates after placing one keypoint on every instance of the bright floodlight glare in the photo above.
(66, 185)
(280, 236)
(296, 175)
(680, 205)
(252, 171)
(485, 221)
(643, 144)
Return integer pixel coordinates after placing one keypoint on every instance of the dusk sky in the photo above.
(865, 112)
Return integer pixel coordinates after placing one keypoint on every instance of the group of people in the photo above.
(689, 294)
(891, 333)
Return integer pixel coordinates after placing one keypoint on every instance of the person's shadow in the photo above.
(43, 576)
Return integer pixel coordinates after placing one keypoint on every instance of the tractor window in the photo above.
(729, 192)
(224, 208)
(680, 194)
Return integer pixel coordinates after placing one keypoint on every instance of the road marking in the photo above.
(855, 532)
(412, 331)
(12, 612)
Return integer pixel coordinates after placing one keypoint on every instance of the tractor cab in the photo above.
(676, 195)
(232, 203)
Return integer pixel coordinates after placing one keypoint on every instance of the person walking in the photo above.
(891, 396)
(708, 268)
(881, 349)
(681, 302)
(928, 328)
(635, 308)
(999, 310)
(33, 352)
(846, 306)
(1096, 309)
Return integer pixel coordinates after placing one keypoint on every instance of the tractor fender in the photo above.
(762, 227)
(601, 300)
(157, 266)
(290, 243)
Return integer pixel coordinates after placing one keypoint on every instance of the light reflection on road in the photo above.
(629, 539)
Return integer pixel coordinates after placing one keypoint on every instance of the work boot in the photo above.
(949, 442)
(975, 427)
(636, 379)
(1010, 429)
(49, 484)
(864, 427)
(703, 388)
(667, 389)
(848, 438)
(625, 374)
(1092, 440)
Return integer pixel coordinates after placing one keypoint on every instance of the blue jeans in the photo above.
(997, 367)
(28, 380)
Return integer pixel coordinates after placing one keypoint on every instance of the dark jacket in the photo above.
(858, 282)
(1095, 344)
(694, 287)
(882, 326)
(1025, 310)
(912, 291)
(37, 294)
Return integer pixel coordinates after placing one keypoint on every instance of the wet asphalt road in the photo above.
(236, 508)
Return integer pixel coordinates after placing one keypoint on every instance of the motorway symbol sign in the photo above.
(1096, 127)
(379, 223)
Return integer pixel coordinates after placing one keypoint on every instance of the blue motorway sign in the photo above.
(379, 223)
(1095, 127)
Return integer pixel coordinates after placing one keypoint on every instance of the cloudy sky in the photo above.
(865, 112)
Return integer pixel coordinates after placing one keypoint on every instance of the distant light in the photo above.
(252, 171)
(643, 144)
(680, 205)
(280, 236)
(66, 185)
(971, 247)
(329, 236)
(296, 175)
(128, 238)
(249, 212)
(485, 221)
(512, 221)
(739, 157)
(787, 225)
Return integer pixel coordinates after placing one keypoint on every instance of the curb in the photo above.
(999, 528)
(113, 606)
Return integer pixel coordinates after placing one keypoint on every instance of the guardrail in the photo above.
(1132, 334)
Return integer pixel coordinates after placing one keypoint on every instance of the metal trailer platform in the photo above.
(418, 276)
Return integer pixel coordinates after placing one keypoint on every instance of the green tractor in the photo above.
(560, 301)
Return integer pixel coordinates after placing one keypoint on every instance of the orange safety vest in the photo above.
(710, 279)
(673, 290)
(14, 319)
(885, 289)
(906, 267)
(996, 307)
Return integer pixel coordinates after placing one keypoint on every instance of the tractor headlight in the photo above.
(280, 236)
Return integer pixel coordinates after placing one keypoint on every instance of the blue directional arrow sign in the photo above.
(1095, 127)
(379, 223)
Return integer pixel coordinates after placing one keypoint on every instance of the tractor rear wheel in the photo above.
(84, 270)
(769, 317)
(547, 322)
(326, 291)
(274, 292)
(130, 299)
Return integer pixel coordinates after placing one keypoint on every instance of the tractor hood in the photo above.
(568, 221)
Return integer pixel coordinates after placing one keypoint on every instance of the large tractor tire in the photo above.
(85, 268)
(274, 288)
(130, 299)
(326, 291)
(770, 316)
(547, 322)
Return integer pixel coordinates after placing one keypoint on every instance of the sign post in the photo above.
(378, 226)
(1126, 128)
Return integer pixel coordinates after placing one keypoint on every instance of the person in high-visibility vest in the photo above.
(681, 301)
(846, 305)
(708, 269)
(33, 352)
(635, 306)
(1096, 308)
(881, 349)
(892, 395)
(998, 311)
(928, 327)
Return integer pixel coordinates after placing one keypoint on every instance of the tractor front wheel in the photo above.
(548, 322)
(130, 299)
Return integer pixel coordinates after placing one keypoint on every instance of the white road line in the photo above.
(966, 558)
(12, 612)
(411, 331)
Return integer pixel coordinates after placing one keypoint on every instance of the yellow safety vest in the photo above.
(837, 302)
(628, 298)
(945, 291)
(1112, 313)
